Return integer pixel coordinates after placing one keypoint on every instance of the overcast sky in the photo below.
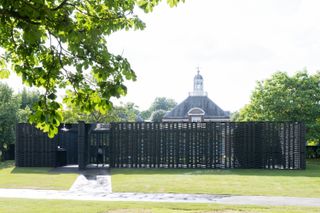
(234, 42)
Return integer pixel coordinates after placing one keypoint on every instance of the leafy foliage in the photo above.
(235, 116)
(285, 98)
(157, 115)
(160, 103)
(28, 98)
(124, 113)
(23, 115)
(8, 107)
(57, 44)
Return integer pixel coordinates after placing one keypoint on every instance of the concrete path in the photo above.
(165, 197)
(91, 181)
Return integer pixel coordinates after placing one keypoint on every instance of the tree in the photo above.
(146, 114)
(158, 115)
(130, 110)
(159, 103)
(23, 115)
(8, 108)
(124, 113)
(234, 116)
(163, 103)
(287, 98)
(28, 98)
(61, 44)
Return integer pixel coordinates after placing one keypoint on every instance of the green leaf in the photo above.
(56, 45)
(172, 3)
(52, 96)
(4, 73)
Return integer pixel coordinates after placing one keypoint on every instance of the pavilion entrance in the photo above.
(99, 145)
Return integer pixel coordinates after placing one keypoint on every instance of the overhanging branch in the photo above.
(60, 5)
(13, 14)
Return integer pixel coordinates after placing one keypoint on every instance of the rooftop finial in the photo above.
(198, 70)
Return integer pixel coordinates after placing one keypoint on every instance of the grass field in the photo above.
(299, 183)
(33, 178)
(302, 183)
(40, 206)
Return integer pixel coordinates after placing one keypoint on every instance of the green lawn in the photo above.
(40, 206)
(33, 178)
(299, 183)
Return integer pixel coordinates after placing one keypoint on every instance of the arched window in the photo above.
(196, 114)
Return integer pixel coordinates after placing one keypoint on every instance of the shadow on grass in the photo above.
(25, 170)
(7, 164)
(313, 170)
(43, 170)
(36, 170)
(32, 170)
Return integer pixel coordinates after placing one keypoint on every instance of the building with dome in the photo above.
(197, 107)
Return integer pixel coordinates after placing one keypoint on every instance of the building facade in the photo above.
(197, 107)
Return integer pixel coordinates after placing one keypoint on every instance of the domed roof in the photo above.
(210, 109)
(198, 76)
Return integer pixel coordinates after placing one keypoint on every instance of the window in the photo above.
(196, 119)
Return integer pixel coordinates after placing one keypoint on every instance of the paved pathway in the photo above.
(95, 184)
(91, 181)
(157, 197)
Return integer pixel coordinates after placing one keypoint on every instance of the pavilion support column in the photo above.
(17, 150)
(82, 145)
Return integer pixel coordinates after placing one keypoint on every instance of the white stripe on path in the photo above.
(98, 184)
(158, 197)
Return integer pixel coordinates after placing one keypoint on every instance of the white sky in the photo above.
(234, 42)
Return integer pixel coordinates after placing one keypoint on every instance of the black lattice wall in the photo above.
(170, 145)
(208, 145)
(35, 149)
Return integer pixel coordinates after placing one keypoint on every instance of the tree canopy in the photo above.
(61, 44)
(8, 108)
(124, 113)
(28, 98)
(157, 115)
(159, 103)
(286, 98)
(163, 103)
